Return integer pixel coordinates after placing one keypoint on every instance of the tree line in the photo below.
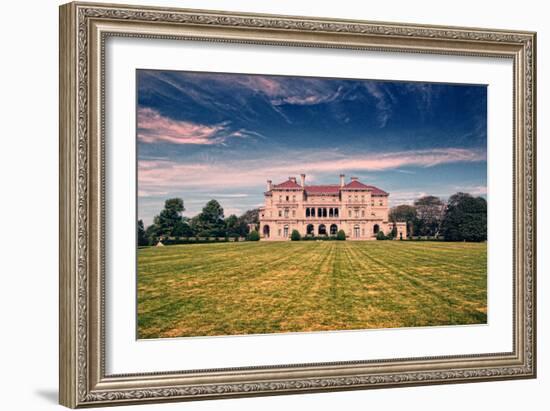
(462, 218)
(210, 222)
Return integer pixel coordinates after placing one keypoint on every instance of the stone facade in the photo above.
(360, 210)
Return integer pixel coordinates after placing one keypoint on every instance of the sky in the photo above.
(203, 136)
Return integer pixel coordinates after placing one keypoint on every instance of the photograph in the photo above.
(275, 204)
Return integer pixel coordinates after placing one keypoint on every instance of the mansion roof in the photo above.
(331, 189)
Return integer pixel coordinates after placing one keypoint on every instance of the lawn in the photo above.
(272, 287)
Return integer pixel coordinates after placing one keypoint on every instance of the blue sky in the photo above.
(208, 135)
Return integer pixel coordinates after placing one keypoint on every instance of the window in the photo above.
(286, 231)
(280, 213)
(349, 213)
(362, 213)
(381, 202)
(286, 212)
(356, 198)
(356, 213)
(293, 199)
(293, 213)
(363, 232)
(335, 212)
(280, 198)
(286, 198)
(279, 232)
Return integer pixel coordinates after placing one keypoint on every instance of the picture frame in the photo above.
(84, 31)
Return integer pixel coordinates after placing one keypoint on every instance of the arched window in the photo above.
(333, 229)
(307, 212)
(312, 212)
(319, 212)
(336, 212)
(325, 212)
(331, 212)
(310, 229)
(376, 229)
(322, 229)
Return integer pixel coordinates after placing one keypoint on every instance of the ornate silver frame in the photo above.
(84, 28)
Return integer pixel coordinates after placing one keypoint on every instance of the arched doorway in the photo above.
(333, 229)
(376, 229)
(309, 229)
(266, 231)
(322, 230)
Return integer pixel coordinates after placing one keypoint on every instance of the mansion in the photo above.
(322, 210)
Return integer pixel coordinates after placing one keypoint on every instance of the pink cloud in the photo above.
(164, 175)
(155, 128)
(378, 162)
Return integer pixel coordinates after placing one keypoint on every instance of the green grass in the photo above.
(271, 287)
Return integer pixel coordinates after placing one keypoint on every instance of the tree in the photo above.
(251, 216)
(404, 213)
(253, 236)
(235, 227)
(429, 211)
(170, 217)
(295, 235)
(380, 235)
(465, 218)
(152, 234)
(183, 229)
(393, 232)
(142, 239)
(210, 222)
(341, 235)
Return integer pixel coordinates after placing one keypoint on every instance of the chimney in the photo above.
(342, 181)
(354, 178)
(293, 179)
(303, 180)
(268, 185)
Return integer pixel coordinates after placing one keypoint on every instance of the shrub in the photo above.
(380, 235)
(341, 235)
(295, 235)
(253, 236)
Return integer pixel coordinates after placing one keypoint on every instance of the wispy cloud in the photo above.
(383, 101)
(163, 175)
(152, 127)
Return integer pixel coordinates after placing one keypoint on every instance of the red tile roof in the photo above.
(356, 185)
(376, 191)
(323, 189)
(288, 184)
(330, 188)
